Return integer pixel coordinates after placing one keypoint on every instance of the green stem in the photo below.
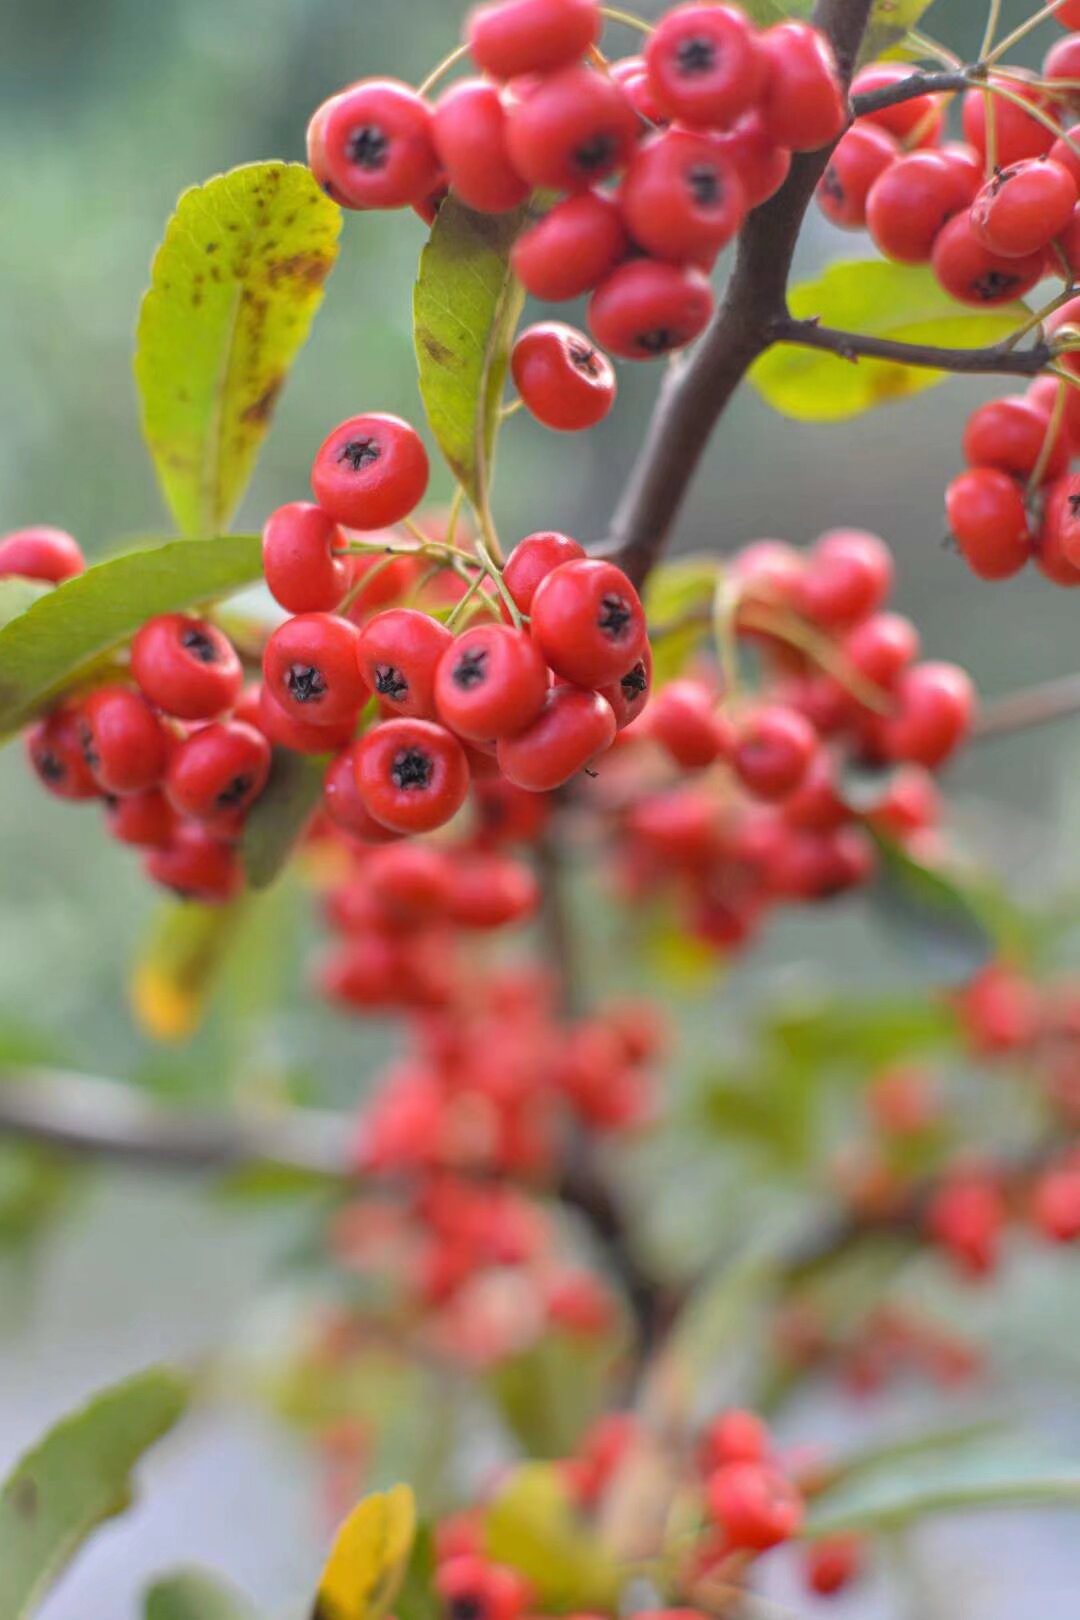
(460, 606)
(615, 14)
(994, 88)
(993, 17)
(495, 573)
(1004, 46)
(444, 67)
(1037, 319)
(1053, 427)
(934, 49)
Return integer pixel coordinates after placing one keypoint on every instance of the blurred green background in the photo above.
(109, 109)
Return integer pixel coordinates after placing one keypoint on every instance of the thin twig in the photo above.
(997, 358)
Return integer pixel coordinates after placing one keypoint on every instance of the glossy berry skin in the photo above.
(196, 866)
(533, 559)
(145, 820)
(1010, 433)
(704, 65)
(54, 748)
(1062, 61)
(575, 128)
(573, 727)
(571, 250)
(124, 743)
(41, 553)
(301, 736)
(398, 654)
(1061, 518)
(562, 378)
(645, 309)
(491, 682)
(371, 146)
(833, 1563)
(588, 622)
(509, 38)
(1024, 207)
(1017, 135)
(311, 672)
(470, 1585)
(988, 520)
(470, 138)
(1068, 13)
(220, 768)
(681, 197)
(861, 158)
(848, 575)
(919, 118)
(187, 667)
(757, 1506)
(773, 751)
(910, 203)
(803, 104)
(761, 165)
(371, 472)
(1062, 152)
(974, 275)
(341, 801)
(683, 721)
(302, 572)
(881, 648)
(629, 695)
(412, 775)
(935, 705)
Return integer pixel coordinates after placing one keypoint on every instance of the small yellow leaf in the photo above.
(179, 966)
(368, 1558)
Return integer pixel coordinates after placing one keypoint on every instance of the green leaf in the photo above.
(417, 1599)
(17, 594)
(767, 12)
(532, 1526)
(889, 23)
(876, 299)
(895, 1496)
(678, 603)
(369, 1558)
(64, 635)
(179, 967)
(929, 911)
(76, 1477)
(466, 306)
(234, 288)
(193, 1595)
(280, 815)
(873, 1032)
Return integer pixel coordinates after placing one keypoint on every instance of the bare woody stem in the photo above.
(999, 358)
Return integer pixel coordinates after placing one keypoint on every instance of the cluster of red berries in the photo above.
(693, 133)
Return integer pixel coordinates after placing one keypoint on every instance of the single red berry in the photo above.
(1047, 549)
(1067, 13)
(574, 128)
(1062, 61)
(491, 682)
(860, 158)
(471, 1588)
(757, 1506)
(705, 64)
(629, 695)
(920, 118)
(563, 379)
(301, 736)
(1063, 254)
(572, 248)
(736, 1436)
(645, 309)
(832, 1563)
(762, 165)
(989, 522)
(1063, 152)
(633, 75)
(1016, 134)
(684, 722)
(848, 574)
(973, 275)
(1024, 207)
(186, 667)
(302, 572)
(311, 671)
(342, 802)
(411, 774)
(196, 866)
(773, 750)
(881, 648)
(912, 200)
(124, 743)
(935, 705)
(1061, 518)
(411, 883)
(145, 820)
(1014, 435)
(41, 553)
(803, 103)
(470, 137)
(966, 1217)
(371, 146)
(371, 472)
(573, 727)
(532, 559)
(219, 768)
(54, 748)
(910, 804)
(491, 891)
(398, 654)
(681, 196)
(509, 38)
(588, 621)
(1055, 1204)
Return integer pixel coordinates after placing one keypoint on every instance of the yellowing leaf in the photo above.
(368, 1559)
(889, 23)
(178, 968)
(897, 301)
(234, 288)
(532, 1526)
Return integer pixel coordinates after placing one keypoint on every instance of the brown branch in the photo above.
(997, 358)
(1035, 706)
(916, 84)
(698, 388)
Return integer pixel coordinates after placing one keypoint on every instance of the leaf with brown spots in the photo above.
(234, 289)
(78, 1475)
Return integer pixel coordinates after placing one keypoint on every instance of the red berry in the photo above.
(633, 75)
(934, 710)
(974, 275)
(629, 695)
(989, 522)
(55, 749)
(881, 648)
(572, 248)
(1011, 434)
(860, 158)
(911, 803)
(302, 572)
(342, 802)
(186, 666)
(565, 381)
(219, 768)
(757, 1506)
(1016, 134)
(576, 127)
(773, 751)
(532, 559)
(398, 654)
(145, 820)
(124, 742)
(412, 775)
(736, 1436)
(1067, 13)
(910, 203)
(371, 146)
(411, 883)
(803, 104)
(966, 1217)
(848, 574)
(920, 117)
(1047, 550)
(681, 197)
(311, 672)
(471, 1586)
(41, 553)
(833, 1563)
(196, 866)
(491, 682)
(1062, 61)
(1061, 518)
(491, 891)
(761, 165)
(1055, 1204)
(588, 621)
(509, 38)
(645, 309)
(301, 736)
(1024, 207)
(573, 727)
(1062, 152)
(705, 64)
(371, 472)
(470, 137)
(683, 721)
